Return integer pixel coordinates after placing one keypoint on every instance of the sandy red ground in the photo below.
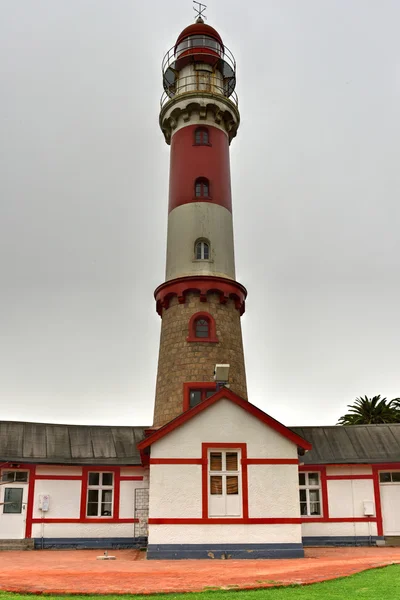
(78, 571)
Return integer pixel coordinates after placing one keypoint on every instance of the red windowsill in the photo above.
(202, 340)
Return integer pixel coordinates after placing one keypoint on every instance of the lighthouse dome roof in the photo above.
(199, 28)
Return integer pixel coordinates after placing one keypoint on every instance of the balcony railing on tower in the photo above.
(199, 64)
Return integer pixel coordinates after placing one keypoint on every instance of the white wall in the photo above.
(189, 222)
(224, 422)
(273, 491)
(83, 530)
(65, 499)
(176, 490)
(224, 534)
(347, 529)
(346, 496)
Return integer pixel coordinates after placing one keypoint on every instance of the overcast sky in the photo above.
(83, 203)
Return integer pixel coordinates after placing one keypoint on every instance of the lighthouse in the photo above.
(223, 475)
(200, 302)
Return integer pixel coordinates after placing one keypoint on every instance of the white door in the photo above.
(13, 499)
(390, 500)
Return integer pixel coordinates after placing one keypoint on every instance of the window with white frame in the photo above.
(100, 494)
(202, 250)
(14, 476)
(310, 494)
(389, 477)
(224, 483)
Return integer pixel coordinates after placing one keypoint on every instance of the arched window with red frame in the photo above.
(201, 137)
(202, 188)
(202, 328)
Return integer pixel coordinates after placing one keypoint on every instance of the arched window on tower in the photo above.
(202, 250)
(202, 328)
(202, 188)
(201, 137)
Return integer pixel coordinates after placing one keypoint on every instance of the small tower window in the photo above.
(202, 328)
(202, 250)
(201, 136)
(202, 188)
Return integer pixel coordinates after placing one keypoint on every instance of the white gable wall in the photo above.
(176, 515)
(224, 422)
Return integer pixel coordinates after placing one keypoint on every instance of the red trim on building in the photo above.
(338, 519)
(272, 461)
(226, 394)
(212, 329)
(227, 521)
(60, 477)
(377, 494)
(86, 520)
(324, 492)
(190, 162)
(30, 500)
(344, 477)
(176, 461)
(205, 386)
(201, 284)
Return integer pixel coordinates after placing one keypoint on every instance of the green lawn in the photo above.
(375, 584)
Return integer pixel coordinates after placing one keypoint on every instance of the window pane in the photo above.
(302, 479)
(92, 509)
(198, 136)
(12, 500)
(106, 509)
(205, 136)
(216, 485)
(205, 251)
(194, 398)
(303, 508)
(205, 189)
(303, 496)
(396, 476)
(198, 190)
(7, 476)
(107, 478)
(202, 328)
(215, 461)
(315, 508)
(231, 461)
(314, 495)
(94, 478)
(93, 495)
(232, 484)
(21, 476)
(210, 393)
(384, 477)
(313, 479)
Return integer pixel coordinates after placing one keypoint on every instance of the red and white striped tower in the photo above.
(200, 302)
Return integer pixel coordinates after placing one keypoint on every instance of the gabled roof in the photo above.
(69, 444)
(226, 394)
(356, 444)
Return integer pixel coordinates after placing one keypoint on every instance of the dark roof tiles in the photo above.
(339, 444)
(71, 444)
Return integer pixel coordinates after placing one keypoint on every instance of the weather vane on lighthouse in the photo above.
(199, 10)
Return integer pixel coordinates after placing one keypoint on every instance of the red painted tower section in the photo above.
(200, 302)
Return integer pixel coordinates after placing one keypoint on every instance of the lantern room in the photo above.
(199, 62)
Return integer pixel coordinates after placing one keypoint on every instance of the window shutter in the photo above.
(231, 461)
(216, 485)
(232, 485)
(216, 461)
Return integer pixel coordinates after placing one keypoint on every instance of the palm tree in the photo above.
(368, 411)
